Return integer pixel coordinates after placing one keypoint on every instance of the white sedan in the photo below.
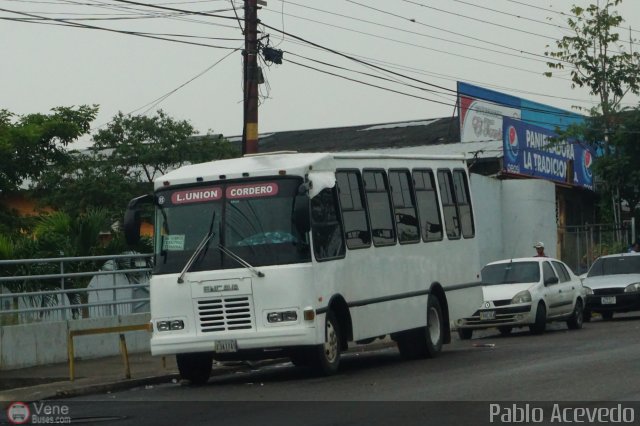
(613, 285)
(529, 291)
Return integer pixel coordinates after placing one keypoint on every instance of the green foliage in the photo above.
(144, 148)
(598, 58)
(30, 143)
(602, 62)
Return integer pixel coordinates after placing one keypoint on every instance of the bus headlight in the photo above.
(632, 288)
(283, 316)
(522, 297)
(170, 325)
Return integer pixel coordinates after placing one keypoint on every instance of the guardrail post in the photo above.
(114, 307)
(71, 354)
(63, 295)
(125, 356)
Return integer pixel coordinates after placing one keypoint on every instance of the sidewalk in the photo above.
(108, 374)
(91, 376)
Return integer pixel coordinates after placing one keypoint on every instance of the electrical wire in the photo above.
(93, 27)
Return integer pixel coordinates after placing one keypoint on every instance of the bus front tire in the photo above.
(325, 358)
(195, 367)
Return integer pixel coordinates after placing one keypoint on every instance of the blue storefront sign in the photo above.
(531, 150)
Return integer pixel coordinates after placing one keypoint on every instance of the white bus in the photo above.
(298, 255)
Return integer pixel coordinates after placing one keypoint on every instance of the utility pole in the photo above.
(250, 129)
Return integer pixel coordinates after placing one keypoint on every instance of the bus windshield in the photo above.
(253, 220)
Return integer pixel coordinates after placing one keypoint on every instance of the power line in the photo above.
(76, 24)
(162, 98)
(555, 11)
(449, 77)
(473, 19)
(520, 51)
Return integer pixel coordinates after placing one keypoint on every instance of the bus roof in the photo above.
(271, 164)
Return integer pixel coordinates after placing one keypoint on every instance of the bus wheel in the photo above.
(195, 367)
(326, 359)
(424, 342)
(435, 327)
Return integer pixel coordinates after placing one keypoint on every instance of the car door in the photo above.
(567, 288)
(552, 290)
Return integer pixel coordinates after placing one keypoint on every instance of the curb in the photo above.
(67, 389)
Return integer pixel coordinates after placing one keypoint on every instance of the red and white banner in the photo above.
(197, 195)
(255, 190)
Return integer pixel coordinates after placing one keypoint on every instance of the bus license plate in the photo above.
(488, 315)
(608, 300)
(226, 346)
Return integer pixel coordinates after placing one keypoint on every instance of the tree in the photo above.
(144, 148)
(600, 61)
(125, 158)
(31, 143)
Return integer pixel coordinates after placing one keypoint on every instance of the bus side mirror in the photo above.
(132, 219)
(301, 214)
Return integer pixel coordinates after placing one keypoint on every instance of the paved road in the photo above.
(601, 362)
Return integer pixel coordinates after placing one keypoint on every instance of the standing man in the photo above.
(539, 246)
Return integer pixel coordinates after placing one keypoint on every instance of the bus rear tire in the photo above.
(325, 358)
(435, 327)
(195, 367)
(424, 342)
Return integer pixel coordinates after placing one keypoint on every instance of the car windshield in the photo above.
(511, 273)
(615, 266)
(253, 220)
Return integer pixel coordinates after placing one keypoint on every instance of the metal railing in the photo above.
(581, 245)
(53, 289)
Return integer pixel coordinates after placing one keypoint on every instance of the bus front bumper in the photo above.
(169, 343)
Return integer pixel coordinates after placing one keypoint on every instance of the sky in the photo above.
(417, 47)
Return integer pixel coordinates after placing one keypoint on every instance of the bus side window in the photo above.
(354, 214)
(379, 205)
(449, 206)
(427, 200)
(404, 206)
(463, 200)
(326, 227)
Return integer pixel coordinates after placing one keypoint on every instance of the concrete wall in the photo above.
(511, 215)
(528, 216)
(46, 342)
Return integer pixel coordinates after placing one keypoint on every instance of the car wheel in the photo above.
(195, 367)
(607, 316)
(540, 323)
(575, 322)
(465, 333)
(505, 330)
(325, 358)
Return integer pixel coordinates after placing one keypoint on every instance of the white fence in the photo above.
(59, 289)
